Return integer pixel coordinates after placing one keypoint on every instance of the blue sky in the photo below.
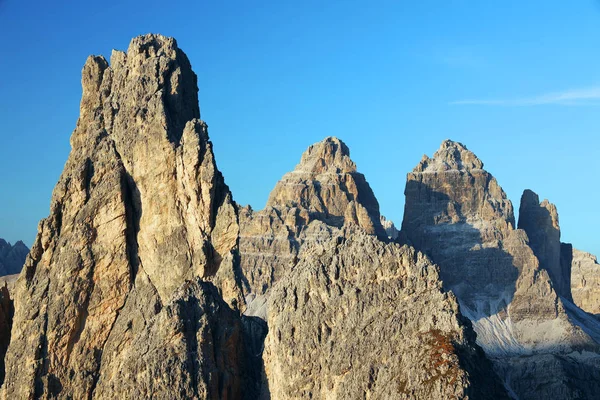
(517, 82)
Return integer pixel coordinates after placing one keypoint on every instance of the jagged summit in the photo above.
(450, 156)
(330, 155)
(458, 214)
(139, 210)
(152, 84)
(326, 184)
(540, 222)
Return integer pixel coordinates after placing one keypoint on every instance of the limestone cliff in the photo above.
(585, 281)
(349, 315)
(540, 222)
(458, 214)
(358, 318)
(139, 209)
(325, 186)
(147, 280)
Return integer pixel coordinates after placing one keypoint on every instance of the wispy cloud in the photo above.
(576, 97)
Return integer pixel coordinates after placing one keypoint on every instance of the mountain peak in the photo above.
(331, 155)
(450, 156)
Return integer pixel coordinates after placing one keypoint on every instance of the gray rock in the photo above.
(458, 214)
(358, 318)
(585, 281)
(390, 229)
(325, 186)
(540, 222)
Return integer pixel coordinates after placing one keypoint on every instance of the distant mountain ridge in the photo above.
(12, 257)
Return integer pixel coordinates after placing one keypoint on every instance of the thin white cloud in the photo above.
(577, 97)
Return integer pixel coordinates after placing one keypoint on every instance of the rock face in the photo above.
(458, 214)
(390, 228)
(325, 186)
(585, 281)
(402, 336)
(139, 210)
(320, 276)
(148, 281)
(12, 258)
(540, 222)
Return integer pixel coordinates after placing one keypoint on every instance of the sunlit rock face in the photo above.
(458, 214)
(359, 318)
(390, 229)
(336, 297)
(325, 186)
(148, 281)
(139, 209)
(585, 281)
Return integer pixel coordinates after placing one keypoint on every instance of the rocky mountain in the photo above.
(12, 257)
(147, 279)
(541, 344)
(540, 222)
(139, 214)
(316, 269)
(574, 273)
(390, 229)
(325, 186)
(585, 281)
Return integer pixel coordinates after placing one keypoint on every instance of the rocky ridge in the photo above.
(12, 257)
(148, 280)
(585, 281)
(139, 210)
(325, 186)
(458, 214)
(321, 278)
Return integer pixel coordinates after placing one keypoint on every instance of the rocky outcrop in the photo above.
(321, 276)
(458, 214)
(390, 229)
(139, 210)
(12, 257)
(325, 186)
(585, 281)
(357, 318)
(540, 222)
(193, 348)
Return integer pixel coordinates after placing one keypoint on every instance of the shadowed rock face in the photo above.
(12, 257)
(457, 213)
(139, 209)
(540, 222)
